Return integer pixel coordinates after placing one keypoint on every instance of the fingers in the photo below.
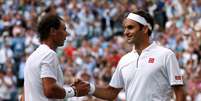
(75, 81)
(82, 87)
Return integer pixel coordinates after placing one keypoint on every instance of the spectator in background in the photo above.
(6, 52)
(18, 45)
(11, 82)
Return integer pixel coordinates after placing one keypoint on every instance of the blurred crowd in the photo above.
(96, 43)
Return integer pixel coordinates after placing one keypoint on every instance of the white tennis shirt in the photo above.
(43, 62)
(148, 77)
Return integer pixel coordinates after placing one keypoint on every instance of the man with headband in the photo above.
(149, 72)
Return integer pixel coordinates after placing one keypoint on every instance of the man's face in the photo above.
(61, 35)
(132, 31)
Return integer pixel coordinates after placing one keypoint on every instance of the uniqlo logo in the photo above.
(178, 77)
(151, 60)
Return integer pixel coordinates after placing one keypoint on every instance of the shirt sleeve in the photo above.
(117, 79)
(173, 70)
(48, 67)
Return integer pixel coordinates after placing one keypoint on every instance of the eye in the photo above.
(130, 27)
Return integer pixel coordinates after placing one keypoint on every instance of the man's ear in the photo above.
(145, 29)
(52, 31)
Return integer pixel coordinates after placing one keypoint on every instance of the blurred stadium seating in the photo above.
(96, 43)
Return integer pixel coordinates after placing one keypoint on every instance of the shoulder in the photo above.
(43, 52)
(126, 59)
(46, 50)
(163, 50)
(163, 53)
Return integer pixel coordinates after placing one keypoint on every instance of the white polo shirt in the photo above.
(148, 77)
(43, 62)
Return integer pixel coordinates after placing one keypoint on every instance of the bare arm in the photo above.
(22, 97)
(107, 93)
(179, 92)
(52, 90)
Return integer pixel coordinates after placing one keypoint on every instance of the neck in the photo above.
(50, 44)
(141, 46)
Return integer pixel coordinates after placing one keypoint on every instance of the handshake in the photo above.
(80, 88)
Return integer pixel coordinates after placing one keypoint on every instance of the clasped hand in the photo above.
(81, 88)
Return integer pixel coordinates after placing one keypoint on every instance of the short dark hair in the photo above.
(46, 22)
(147, 17)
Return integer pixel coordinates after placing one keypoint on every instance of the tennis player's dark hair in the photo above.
(147, 17)
(46, 22)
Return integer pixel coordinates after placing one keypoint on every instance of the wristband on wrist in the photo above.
(70, 91)
(92, 89)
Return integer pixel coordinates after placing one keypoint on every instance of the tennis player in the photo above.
(149, 72)
(43, 75)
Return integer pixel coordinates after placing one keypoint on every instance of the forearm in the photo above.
(179, 92)
(107, 93)
(180, 96)
(52, 90)
(22, 97)
(56, 92)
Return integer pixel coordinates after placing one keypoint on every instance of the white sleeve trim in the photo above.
(177, 83)
(117, 79)
(173, 70)
(115, 86)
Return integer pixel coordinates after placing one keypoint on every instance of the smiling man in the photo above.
(149, 72)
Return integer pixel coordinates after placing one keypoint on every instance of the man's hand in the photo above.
(81, 88)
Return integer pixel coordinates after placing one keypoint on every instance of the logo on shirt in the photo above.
(151, 60)
(178, 77)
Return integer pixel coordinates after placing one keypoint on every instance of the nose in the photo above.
(67, 34)
(126, 32)
(68, 31)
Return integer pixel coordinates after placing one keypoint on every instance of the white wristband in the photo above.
(69, 91)
(92, 89)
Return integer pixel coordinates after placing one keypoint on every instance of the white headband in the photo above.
(139, 19)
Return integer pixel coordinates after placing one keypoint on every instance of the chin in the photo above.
(61, 44)
(130, 41)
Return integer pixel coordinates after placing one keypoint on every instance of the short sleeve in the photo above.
(117, 79)
(174, 72)
(48, 66)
